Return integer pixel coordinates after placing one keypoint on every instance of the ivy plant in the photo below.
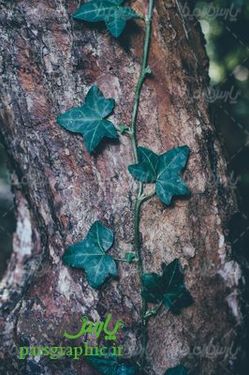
(168, 288)
(164, 170)
(90, 255)
(90, 119)
(111, 12)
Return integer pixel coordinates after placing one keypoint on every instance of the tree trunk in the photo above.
(48, 64)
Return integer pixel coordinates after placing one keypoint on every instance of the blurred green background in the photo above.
(225, 25)
(226, 28)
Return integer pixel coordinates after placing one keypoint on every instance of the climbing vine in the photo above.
(165, 290)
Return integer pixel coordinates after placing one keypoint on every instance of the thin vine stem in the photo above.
(140, 197)
(143, 72)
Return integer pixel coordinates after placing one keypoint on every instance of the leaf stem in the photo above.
(143, 197)
(153, 312)
(140, 197)
(142, 76)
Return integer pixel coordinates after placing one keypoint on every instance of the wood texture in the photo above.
(48, 63)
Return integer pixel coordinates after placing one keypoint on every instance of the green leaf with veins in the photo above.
(90, 255)
(111, 366)
(90, 119)
(167, 288)
(146, 169)
(164, 170)
(169, 182)
(178, 370)
(110, 11)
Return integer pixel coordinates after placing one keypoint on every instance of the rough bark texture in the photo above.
(48, 64)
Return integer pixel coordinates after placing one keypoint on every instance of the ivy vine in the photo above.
(165, 290)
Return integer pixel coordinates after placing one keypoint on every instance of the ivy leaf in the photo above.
(110, 366)
(167, 288)
(147, 168)
(89, 119)
(169, 182)
(164, 170)
(110, 11)
(90, 255)
(178, 370)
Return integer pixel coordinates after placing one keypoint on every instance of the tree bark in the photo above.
(48, 64)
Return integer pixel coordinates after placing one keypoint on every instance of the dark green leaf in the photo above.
(93, 11)
(125, 369)
(109, 11)
(184, 299)
(146, 169)
(111, 366)
(163, 169)
(169, 182)
(152, 284)
(89, 119)
(168, 288)
(105, 366)
(178, 370)
(90, 255)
